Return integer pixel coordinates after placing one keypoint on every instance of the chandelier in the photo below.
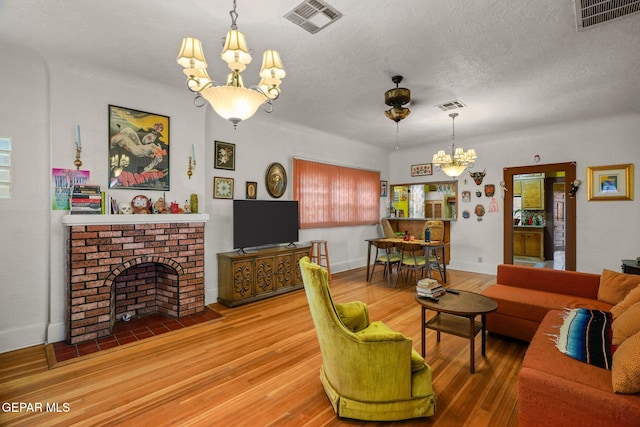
(232, 100)
(458, 160)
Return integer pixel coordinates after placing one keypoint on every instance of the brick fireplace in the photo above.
(131, 264)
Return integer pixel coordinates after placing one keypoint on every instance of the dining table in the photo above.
(397, 241)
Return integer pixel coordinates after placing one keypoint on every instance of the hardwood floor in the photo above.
(258, 366)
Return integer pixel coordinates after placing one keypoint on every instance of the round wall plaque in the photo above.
(276, 180)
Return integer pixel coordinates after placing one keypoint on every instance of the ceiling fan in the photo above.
(397, 98)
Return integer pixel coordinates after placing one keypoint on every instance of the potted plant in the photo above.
(516, 216)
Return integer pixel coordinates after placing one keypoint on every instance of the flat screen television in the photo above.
(264, 222)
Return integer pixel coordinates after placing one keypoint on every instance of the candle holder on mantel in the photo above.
(192, 167)
(77, 162)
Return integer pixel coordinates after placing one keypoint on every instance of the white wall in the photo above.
(41, 117)
(41, 114)
(607, 232)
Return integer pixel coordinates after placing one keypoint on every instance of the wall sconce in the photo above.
(77, 162)
(192, 162)
(574, 188)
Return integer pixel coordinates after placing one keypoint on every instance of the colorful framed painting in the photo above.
(421, 169)
(225, 156)
(613, 182)
(251, 190)
(384, 185)
(222, 188)
(138, 150)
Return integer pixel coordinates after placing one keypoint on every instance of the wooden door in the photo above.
(558, 217)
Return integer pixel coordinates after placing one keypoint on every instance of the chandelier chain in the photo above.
(234, 16)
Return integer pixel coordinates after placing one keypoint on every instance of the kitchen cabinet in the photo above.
(434, 209)
(528, 242)
(533, 194)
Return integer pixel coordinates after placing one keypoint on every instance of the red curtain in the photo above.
(334, 196)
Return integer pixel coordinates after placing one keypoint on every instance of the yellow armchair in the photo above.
(369, 372)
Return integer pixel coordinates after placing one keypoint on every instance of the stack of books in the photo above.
(430, 288)
(86, 199)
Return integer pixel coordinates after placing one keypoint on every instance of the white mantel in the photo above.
(70, 220)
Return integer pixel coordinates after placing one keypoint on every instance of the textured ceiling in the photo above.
(515, 64)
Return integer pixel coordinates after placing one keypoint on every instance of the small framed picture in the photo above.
(421, 170)
(252, 190)
(222, 188)
(383, 188)
(613, 182)
(225, 156)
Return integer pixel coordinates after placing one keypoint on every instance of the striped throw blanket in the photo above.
(586, 335)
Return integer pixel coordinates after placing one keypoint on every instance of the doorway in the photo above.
(559, 206)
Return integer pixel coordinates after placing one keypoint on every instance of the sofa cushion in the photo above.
(631, 298)
(533, 304)
(627, 324)
(614, 286)
(625, 373)
(585, 335)
(543, 356)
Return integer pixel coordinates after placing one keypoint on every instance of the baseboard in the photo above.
(15, 339)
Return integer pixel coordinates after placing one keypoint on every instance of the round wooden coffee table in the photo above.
(455, 315)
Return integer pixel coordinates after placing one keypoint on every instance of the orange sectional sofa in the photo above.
(526, 294)
(553, 388)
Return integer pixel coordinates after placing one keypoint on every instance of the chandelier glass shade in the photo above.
(232, 100)
(455, 162)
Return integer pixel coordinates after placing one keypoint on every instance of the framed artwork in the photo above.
(421, 169)
(252, 190)
(383, 188)
(225, 156)
(613, 182)
(276, 180)
(222, 188)
(138, 150)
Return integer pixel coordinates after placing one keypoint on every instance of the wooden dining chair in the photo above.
(412, 259)
(387, 256)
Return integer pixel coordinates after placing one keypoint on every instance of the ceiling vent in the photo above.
(594, 12)
(313, 15)
(451, 105)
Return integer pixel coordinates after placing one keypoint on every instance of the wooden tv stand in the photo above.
(255, 275)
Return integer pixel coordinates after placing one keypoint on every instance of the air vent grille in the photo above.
(313, 15)
(451, 105)
(594, 12)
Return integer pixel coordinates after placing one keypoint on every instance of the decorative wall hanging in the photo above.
(138, 150)
(613, 182)
(384, 185)
(478, 176)
(466, 196)
(466, 214)
(489, 190)
(225, 156)
(493, 206)
(478, 193)
(421, 169)
(222, 188)
(276, 180)
(251, 190)
(479, 210)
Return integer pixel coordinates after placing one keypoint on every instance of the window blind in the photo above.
(333, 196)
